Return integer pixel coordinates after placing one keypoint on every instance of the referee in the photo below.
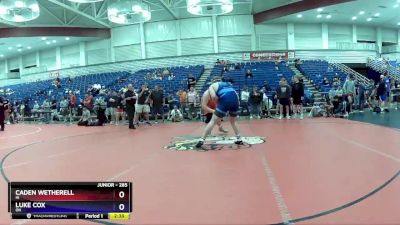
(2, 109)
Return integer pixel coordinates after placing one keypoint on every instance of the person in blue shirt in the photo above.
(228, 103)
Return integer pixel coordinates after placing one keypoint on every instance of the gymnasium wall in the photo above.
(214, 35)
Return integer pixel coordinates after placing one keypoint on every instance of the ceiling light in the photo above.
(19, 11)
(18, 18)
(354, 18)
(85, 1)
(19, 4)
(128, 12)
(362, 12)
(29, 47)
(398, 23)
(1, 55)
(19, 45)
(209, 7)
(299, 16)
(48, 42)
(396, 6)
(10, 48)
(377, 14)
(320, 9)
(67, 38)
(319, 16)
(54, 41)
(136, 8)
(44, 38)
(369, 19)
(328, 16)
(19, 50)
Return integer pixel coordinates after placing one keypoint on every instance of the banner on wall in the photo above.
(54, 74)
(268, 55)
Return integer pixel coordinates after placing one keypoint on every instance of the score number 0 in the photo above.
(121, 206)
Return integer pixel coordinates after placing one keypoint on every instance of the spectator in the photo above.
(172, 76)
(360, 95)
(339, 107)
(318, 111)
(370, 93)
(325, 81)
(244, 100)
(175, 115)
(47, 110)
(349, 89)
(88, 102)
(237, 66)
(2, 110)
(249, 74)
(57, 82)
(36, 109)
(64, 108)
(166, 72)
(226, 69)
(266, 86)
(283, 94)
(297, 97)
(142, 107)
(191, 82)
(266, 103)
(100, 109)
(113, 101)
(22, 111)
(255, 101)
(182, 100)
(170, 101)
(72, 101)
(157, 102)
(192, 101)
(53, 105)
(381, 92)
(85, 118)
(119, 113)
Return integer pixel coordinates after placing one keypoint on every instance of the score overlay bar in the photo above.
(66, 199)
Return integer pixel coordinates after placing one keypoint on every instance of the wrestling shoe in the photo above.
(199, 144)
(239, 142)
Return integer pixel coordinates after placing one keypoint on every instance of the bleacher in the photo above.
(38, 91)
(262, 71)
(394, 63)
(316, 70)
(380, 66)
(170, 86)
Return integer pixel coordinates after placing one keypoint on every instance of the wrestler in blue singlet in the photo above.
(227, 100)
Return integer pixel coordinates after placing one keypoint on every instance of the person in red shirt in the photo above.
(208, 105)
(72, 100)
(88, 101)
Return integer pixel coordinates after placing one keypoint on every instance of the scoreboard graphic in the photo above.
(70, 200)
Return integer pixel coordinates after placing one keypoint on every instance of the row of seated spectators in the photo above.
(321, 74)
(263, 74)
(43, 96)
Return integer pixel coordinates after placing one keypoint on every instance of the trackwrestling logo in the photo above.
(184, 143)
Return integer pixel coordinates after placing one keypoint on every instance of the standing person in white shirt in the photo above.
(266, 103)
(192, 97)
(244, 99)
